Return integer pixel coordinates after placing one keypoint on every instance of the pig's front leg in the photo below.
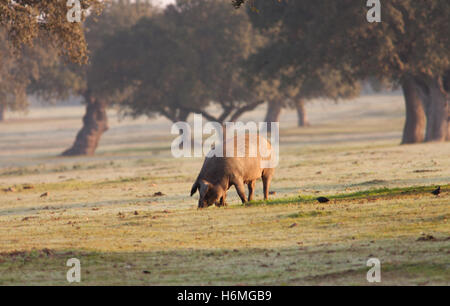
(222, 202)
(251, 190)
(241, 191)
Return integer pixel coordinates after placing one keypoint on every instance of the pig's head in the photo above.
(209, 193)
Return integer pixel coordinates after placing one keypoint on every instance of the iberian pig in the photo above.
(242, 167)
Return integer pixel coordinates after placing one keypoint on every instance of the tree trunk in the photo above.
(301, 113)
(446, 82)
(436, 111)
(2, 112)
(95, 123)
(448, 120)
(273, 114)
(414, 129)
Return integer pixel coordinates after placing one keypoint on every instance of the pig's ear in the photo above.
(204, 187)
(194, 188)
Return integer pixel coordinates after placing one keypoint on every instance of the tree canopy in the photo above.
(26, 20)
(18, 73)
(183, 60)
(63, 78)
(412, 41)
(33, 36)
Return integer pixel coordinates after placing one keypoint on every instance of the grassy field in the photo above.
(103, 209)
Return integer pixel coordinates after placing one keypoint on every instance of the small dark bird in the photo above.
(323, 200)
(437, 191)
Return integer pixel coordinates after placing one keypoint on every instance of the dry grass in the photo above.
(102, 209)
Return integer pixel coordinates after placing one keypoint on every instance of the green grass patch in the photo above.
(342, 264)
(43, 169)
(371, 194)
(307, 214)
(153, 150)
(426, 270)
(75, 184)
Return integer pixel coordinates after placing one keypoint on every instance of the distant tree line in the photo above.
(203, 56)
(410, 48)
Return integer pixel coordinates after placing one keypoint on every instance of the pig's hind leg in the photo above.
(266, 178)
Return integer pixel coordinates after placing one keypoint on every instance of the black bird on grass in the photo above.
(323, 200)
(437, 191)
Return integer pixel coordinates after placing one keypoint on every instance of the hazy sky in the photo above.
(164, 2)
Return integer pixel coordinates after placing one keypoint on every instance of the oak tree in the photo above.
(410, 47)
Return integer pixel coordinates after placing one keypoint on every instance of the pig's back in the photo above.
(244, 161)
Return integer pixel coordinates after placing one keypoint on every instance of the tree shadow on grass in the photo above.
(406, 261)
